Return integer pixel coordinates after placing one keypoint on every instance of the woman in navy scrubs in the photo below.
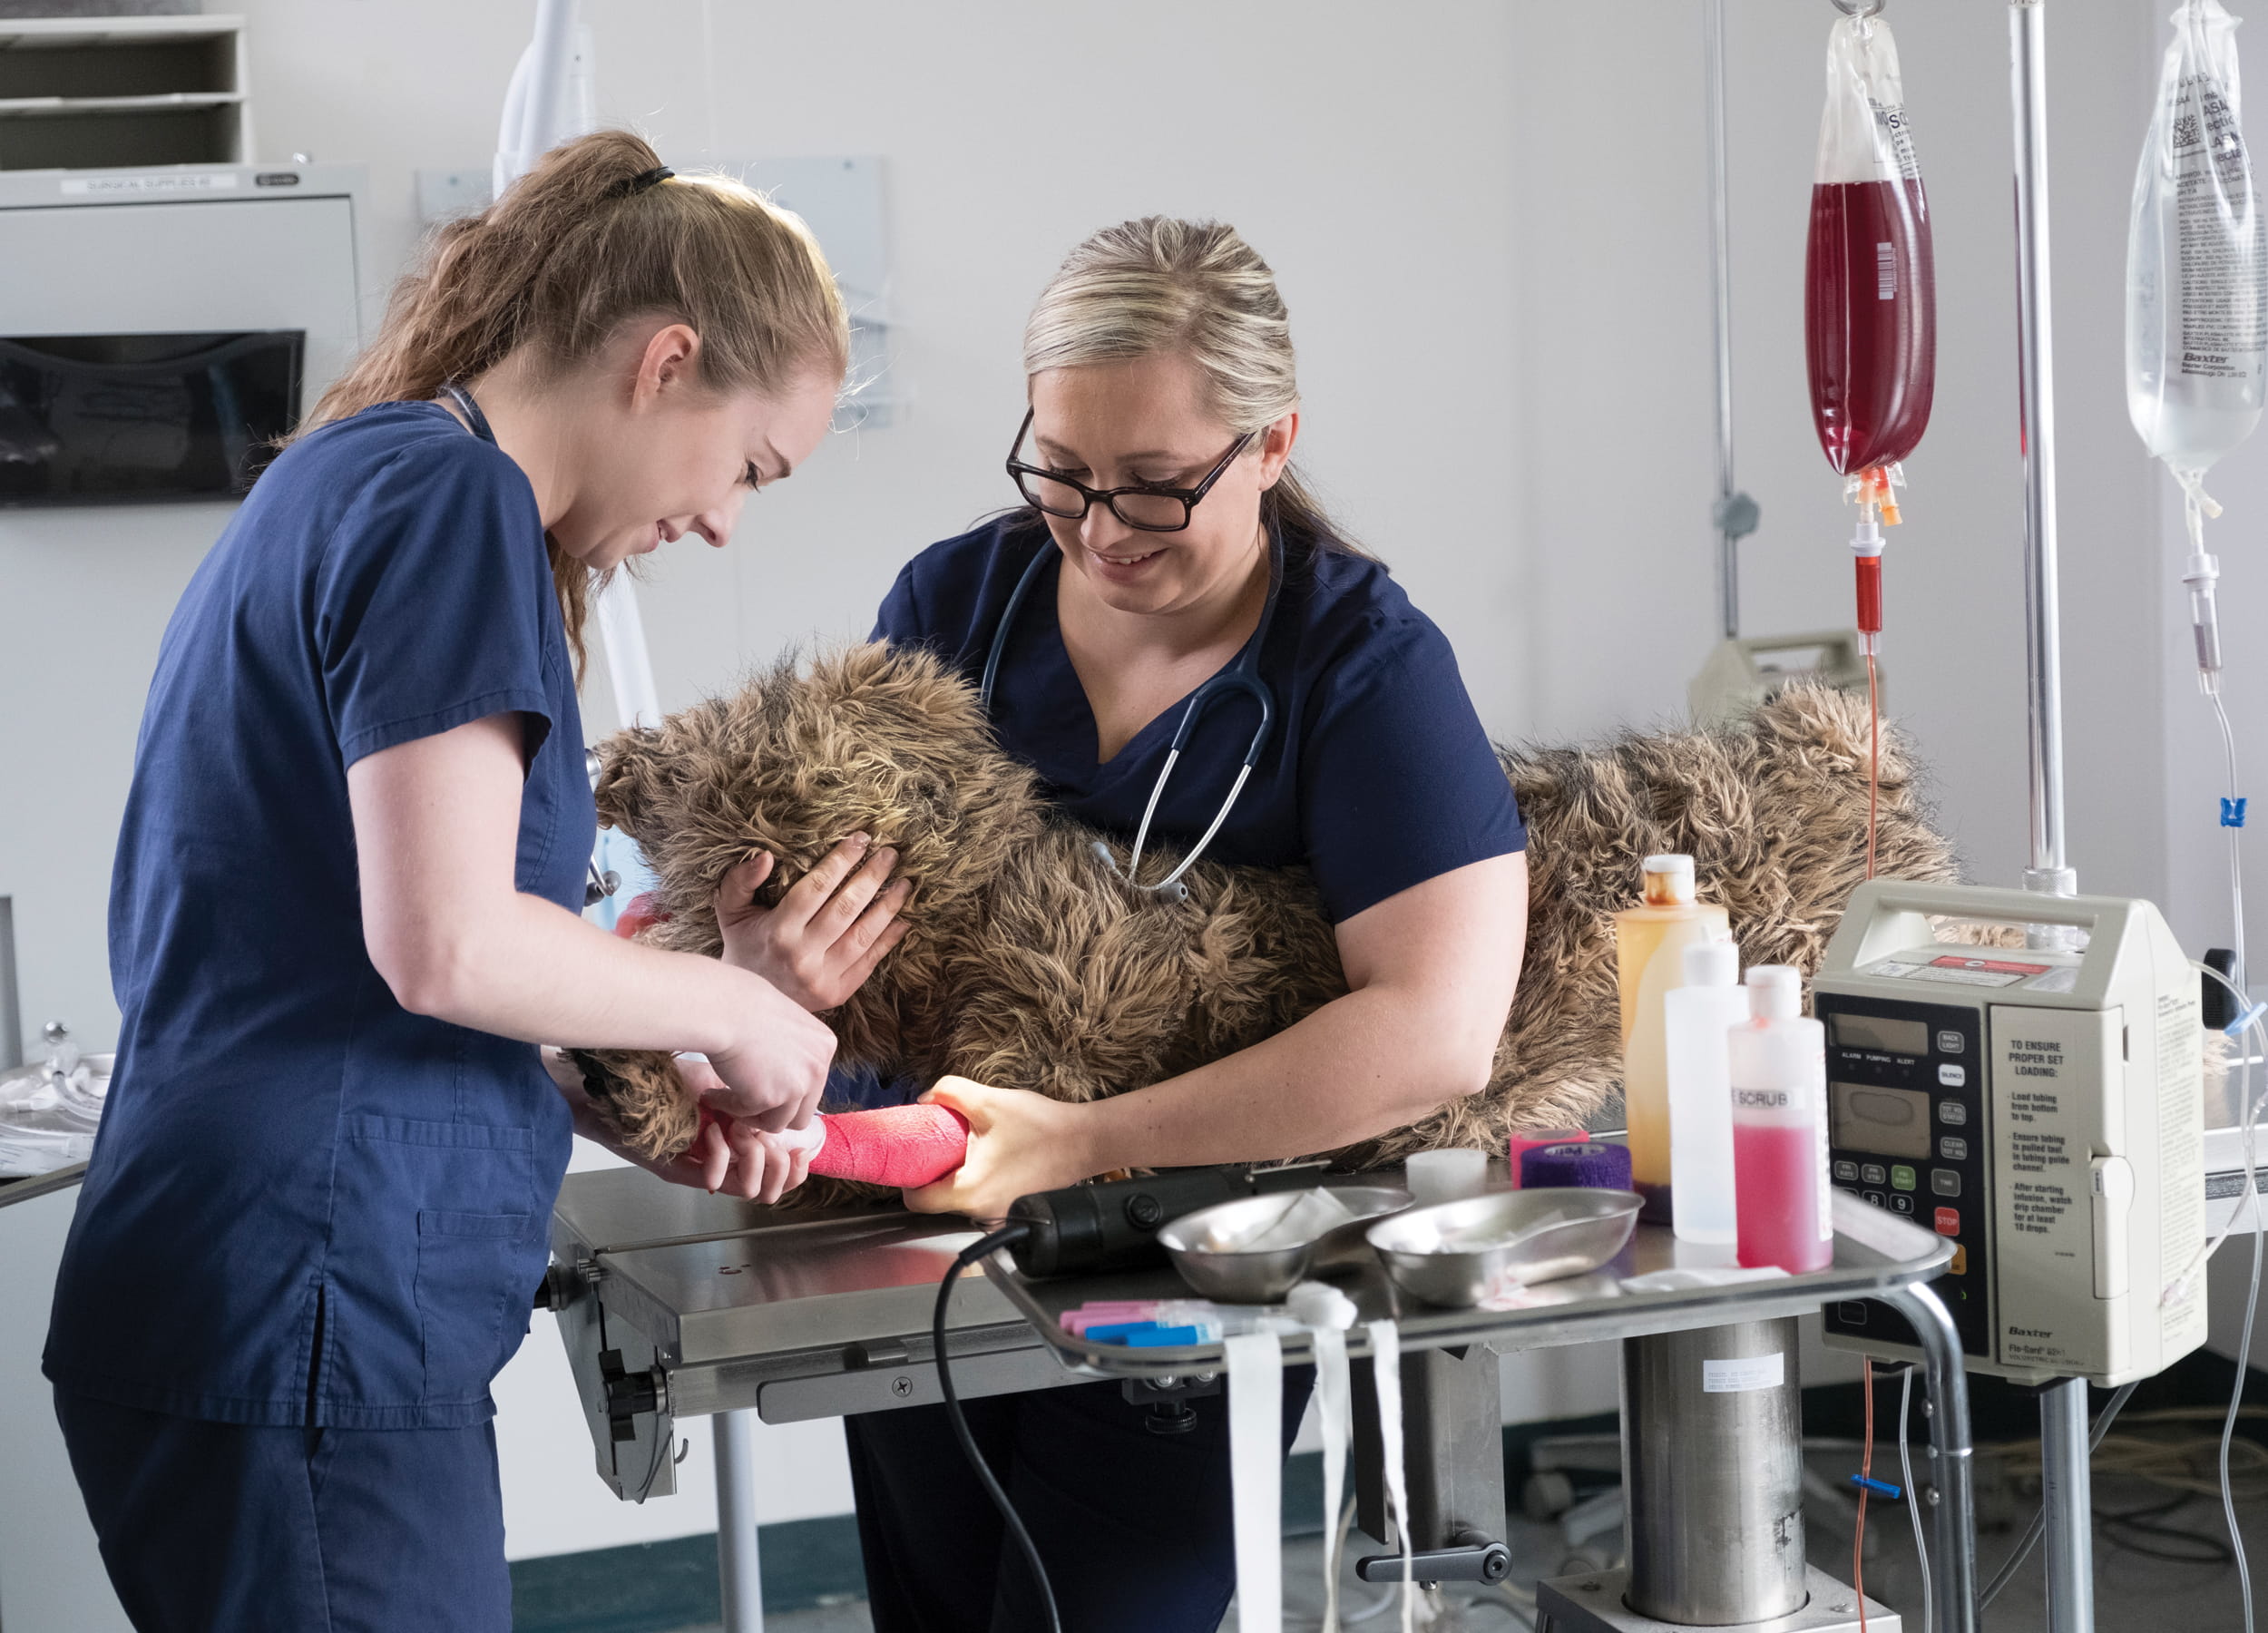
(345, 908)
(1167, 543)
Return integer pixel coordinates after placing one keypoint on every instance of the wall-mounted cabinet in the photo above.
(92, 94)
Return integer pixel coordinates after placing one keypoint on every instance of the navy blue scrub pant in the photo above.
(228, 1528)
(1134, 1528)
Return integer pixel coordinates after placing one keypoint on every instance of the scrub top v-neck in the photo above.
(1376, 777)
(307, 1205)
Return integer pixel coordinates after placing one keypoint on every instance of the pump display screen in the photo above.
(1894, 1123)
(1880, 1032)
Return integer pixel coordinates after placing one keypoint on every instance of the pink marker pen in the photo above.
(1779, 1077)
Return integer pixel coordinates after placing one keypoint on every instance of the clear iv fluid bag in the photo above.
(1870, 279)
(2196, 274)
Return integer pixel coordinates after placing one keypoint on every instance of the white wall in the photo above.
(1370, 162)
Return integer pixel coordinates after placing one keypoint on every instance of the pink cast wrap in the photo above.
(904, 1146)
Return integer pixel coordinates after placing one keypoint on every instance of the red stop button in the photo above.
(1949, 1221)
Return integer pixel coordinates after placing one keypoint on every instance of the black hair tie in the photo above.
(640, 182)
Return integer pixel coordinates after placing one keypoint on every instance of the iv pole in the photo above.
(2065, 1498)
(1734, 514)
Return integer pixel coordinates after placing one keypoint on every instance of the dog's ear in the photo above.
(632, 783)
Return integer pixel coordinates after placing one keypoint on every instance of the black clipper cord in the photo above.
(980, 1248)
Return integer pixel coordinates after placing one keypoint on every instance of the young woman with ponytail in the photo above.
(346, 907)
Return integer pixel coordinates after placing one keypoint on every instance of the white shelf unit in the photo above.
(111, 93)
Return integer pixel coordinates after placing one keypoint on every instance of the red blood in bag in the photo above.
(893, 1145)
(1870, 320)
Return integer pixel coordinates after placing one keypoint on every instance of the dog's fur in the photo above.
(1028, 966)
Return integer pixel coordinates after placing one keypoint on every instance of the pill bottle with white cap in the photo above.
(1779, 1080)
(1650, 941)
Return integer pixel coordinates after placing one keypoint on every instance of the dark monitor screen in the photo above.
(93, 419)
(1894, 1123)
(1880, 1032)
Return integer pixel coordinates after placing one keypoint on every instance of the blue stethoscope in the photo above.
(1241, 676)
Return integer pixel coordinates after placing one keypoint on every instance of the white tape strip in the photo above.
(1385, 1354)
(1255, 1472)
(1334, 1416)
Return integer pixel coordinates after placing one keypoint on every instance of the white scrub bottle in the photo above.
(1698, 1020)
(1779, 1069)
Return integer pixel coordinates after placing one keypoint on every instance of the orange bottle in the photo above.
(1650, 943)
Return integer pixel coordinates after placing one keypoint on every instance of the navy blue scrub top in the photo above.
(1377, 775)
(305, 1204)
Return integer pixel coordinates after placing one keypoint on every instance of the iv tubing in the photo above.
(1873, 756)
(2248, 1201)
(2236, 861)
(1866, 1473)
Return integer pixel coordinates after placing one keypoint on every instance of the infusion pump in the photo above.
(2041, 1108)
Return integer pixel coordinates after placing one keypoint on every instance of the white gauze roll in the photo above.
(1255, 1472)
(1385, 1354)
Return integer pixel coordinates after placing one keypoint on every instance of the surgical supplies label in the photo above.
(1743, 1372)
(2181, 1162)
(191, 181)
(2050, 1111)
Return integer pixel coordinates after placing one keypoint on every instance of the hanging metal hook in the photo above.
(1859, 8)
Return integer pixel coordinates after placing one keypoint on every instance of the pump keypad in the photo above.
(1912, 1143)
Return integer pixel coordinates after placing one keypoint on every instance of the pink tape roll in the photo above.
(893, 1145)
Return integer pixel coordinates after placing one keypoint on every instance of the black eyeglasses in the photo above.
(1148, 506)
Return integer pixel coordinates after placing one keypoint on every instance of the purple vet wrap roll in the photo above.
(1597, 1166)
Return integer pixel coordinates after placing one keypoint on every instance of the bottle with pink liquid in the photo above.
(1779, 1074)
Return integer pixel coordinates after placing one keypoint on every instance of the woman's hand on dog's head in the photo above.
(829, 930)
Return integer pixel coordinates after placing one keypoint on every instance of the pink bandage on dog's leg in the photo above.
(904, 1146)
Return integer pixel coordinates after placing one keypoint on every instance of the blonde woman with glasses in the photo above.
(1172, 593)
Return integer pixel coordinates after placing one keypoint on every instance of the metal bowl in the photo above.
(1453, 1253)
(1215, 1252)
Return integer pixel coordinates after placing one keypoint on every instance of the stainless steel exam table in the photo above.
(674, 1305)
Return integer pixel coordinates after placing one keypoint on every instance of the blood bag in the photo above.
(2197, 277)
(1870, 284)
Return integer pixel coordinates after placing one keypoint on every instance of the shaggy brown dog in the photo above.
(1028, 966)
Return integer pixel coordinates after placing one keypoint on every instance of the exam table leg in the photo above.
(740, 1579)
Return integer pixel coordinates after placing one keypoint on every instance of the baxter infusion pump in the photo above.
(2042, 1108)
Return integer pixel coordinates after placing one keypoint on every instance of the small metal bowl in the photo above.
(1453, 1253)
(1210, 1250)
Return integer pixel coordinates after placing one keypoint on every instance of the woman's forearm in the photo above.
(526, 968)
(1364, 1063)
